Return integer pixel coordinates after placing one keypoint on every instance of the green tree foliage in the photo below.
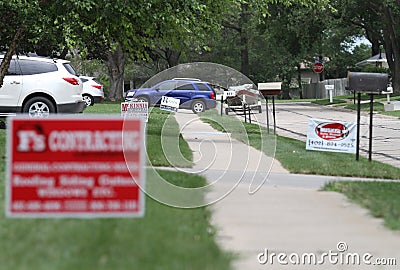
(380, 19)
(110, 29)
(266, 40)
(19, 21)
(136, 28)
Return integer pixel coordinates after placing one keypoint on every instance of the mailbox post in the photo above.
(372, 84)
(330, 89)
(270, 90)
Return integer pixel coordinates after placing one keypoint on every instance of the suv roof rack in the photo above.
(186, 79)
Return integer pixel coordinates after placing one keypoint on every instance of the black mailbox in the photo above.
(371, 83)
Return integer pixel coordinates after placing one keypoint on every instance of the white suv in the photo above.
(40, 86)
(92, 90)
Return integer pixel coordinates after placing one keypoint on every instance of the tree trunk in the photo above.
(299, 81)
(116, 64)
(244, 44)
(375, 40)
(5, 64)
(172, 57)
(392, 46)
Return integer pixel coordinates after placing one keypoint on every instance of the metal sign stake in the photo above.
(358, 126)
(266, 112)
(371, 109)
(273, 113)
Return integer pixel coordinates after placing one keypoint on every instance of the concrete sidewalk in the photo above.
(286, 215)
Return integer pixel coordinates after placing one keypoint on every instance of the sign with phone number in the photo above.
(75, 167)
(331, 136)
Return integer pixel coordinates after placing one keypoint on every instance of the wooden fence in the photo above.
(317, 90)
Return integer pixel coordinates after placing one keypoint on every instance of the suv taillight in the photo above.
(97, 86)
(212, 95)
(72, 81)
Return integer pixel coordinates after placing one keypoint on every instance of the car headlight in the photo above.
(130, 94)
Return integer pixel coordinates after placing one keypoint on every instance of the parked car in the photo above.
(40, 86)
(192, 93)
(92, 90)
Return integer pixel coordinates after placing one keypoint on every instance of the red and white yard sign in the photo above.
(75, 167)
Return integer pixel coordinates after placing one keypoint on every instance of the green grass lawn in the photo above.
(165, 145)
(327, 101)
(393, 113)
(381, 198)
(165, 238)
(377, 106)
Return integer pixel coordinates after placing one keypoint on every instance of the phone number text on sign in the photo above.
(326, 135)
(74, 167)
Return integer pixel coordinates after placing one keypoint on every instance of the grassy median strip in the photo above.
(165, 238)
(381, 198)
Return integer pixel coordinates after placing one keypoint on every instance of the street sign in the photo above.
(318, 67)
(74, 167)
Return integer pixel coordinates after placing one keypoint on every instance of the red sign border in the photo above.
(142, 171)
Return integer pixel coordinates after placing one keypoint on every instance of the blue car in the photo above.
(193, 94)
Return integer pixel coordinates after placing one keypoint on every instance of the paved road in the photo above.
(292, 120)
(287, 215)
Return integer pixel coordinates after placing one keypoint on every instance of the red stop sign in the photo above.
(318, 67)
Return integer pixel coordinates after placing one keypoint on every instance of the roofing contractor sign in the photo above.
(74, 167)
(325, 135)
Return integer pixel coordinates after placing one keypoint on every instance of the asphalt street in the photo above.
(262, 212)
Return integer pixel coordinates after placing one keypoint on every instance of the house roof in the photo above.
(381, 57)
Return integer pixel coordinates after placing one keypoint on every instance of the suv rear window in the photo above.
(185, 86)
(30, 67)
(69, 68)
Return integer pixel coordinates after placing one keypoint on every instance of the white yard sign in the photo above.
(229, 94)
(331, 136)
(136, 110)
(169, 104)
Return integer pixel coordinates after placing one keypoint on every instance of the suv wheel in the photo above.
(88, 100)
(39, 107)
(198, 106)
(143, 99)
